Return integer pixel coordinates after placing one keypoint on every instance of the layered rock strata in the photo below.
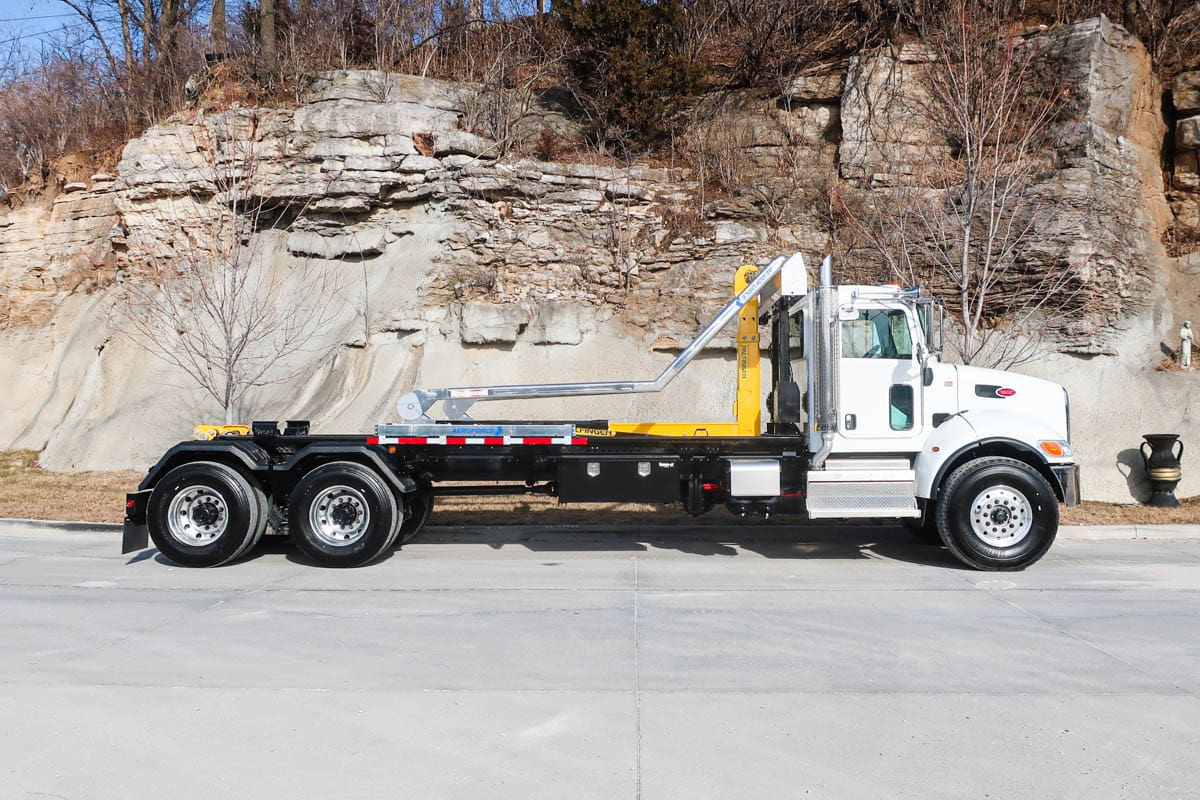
(459, 260)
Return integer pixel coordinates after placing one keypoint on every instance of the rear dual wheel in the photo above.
(342, 514)
(205, 514)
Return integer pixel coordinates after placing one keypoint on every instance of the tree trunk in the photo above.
(217, 26)
(267, 10)
(475, 13)
(968, 340)
(541, 8)
(126, 34)
(168, 28)
(147, 31)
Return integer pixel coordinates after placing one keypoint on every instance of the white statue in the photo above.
(1185, 346)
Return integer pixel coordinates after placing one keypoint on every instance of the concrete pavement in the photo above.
(662, 663)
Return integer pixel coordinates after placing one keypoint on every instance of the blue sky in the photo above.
(19, 23)
(27, 24)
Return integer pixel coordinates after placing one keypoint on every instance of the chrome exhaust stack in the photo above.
(827, 352)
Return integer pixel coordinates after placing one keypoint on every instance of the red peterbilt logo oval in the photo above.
(1005, 392)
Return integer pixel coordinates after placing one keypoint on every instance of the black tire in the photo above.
(194, 500)
(342, 514)
(988, 500)
(924, 528)
(264, 515)
(420, 508)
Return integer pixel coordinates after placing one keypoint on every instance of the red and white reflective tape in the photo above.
(492, 440)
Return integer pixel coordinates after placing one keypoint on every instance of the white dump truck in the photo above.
(977, 460)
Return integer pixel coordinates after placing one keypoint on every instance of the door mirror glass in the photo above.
(933, 316)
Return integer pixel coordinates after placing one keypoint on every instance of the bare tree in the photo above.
(125, 13)
(216, 25)
(510, 72)
(961, 219)
(47, 111)
(267, 35)
(162, 26)
(88, 11)
(1170, 30)
(212, 305)
(768, 42)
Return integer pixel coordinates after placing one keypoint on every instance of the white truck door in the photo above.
(880, 403)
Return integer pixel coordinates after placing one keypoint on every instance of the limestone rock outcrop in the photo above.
(1107, 211)
(459, 260)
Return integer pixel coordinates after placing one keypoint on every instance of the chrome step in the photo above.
(863, 488)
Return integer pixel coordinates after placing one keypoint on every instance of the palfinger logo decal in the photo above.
(579, 431)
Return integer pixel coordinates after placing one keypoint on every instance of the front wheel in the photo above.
(997, 513)
(342, 514)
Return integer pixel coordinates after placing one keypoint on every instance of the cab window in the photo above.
(877, 334)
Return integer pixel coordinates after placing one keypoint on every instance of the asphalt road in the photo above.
(523, 663)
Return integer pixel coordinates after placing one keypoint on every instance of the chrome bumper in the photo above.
(1068, 479)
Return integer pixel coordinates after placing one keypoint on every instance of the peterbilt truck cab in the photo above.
(896, 431)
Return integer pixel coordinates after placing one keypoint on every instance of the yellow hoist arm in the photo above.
(747, 407)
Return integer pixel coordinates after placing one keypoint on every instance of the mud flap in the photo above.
(135, 535)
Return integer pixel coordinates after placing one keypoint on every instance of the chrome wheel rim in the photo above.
(1001, 516)
(339, 516)
(197, 516)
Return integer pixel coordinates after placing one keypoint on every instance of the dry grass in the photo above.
(29, 492)
(1092, 513)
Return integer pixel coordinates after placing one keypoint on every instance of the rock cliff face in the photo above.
(456, 265)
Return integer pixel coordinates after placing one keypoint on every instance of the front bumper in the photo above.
(1068, 479)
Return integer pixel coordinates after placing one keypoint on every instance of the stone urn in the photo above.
(1163, 467)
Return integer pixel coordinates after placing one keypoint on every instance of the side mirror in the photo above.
(941, 327)
(934, 316)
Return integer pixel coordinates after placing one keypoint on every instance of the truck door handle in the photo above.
(851, 422)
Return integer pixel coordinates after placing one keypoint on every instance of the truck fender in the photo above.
(245, 453)
(990, 432)
(340, 452)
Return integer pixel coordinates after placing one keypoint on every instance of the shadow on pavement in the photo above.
(801, 541)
